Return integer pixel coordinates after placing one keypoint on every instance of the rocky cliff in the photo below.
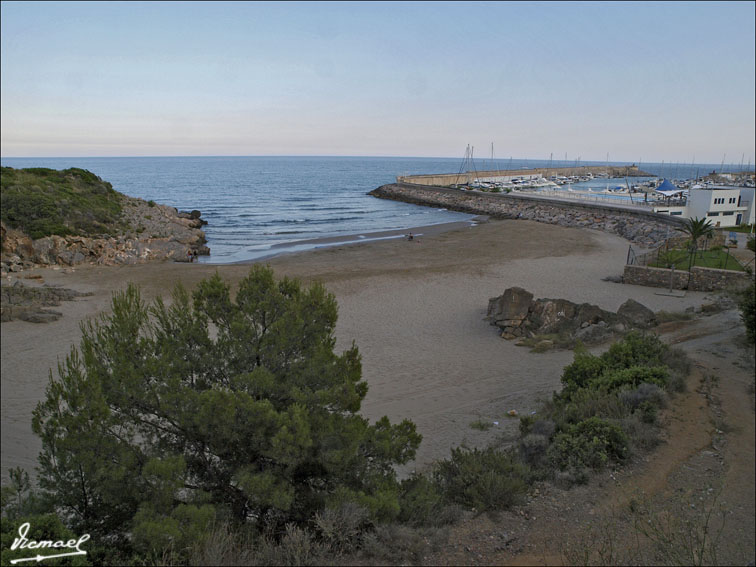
(139, 231)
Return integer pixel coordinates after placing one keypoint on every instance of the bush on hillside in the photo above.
(591, 443)
(486, 479)
(44, 202)
(747, 306)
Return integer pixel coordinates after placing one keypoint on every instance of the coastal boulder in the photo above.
(517, 314)
(551, 315)
(637, 314)
(509, 309)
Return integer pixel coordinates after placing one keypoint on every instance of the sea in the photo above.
(257, 207)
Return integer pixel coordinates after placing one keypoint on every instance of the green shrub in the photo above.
(641, 434)
(396, 544)
(486, 479)
(44, 202)
(747, 306)
(625, 378)
(586, 403)
(526, 424)
(533, 449)
(670, 316)
(341, 528)
(636, 349)
(591, 443)
(422, 502)
(645, 394)
(584, 369)
(481, 424)
(679, 368)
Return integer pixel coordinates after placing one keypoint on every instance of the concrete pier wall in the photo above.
(639, 226)
(449, 179)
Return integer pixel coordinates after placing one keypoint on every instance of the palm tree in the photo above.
(696, 229)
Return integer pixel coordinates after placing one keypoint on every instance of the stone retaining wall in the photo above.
(641, 227)
(701, 279)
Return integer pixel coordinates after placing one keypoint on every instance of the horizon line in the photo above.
(482, 160)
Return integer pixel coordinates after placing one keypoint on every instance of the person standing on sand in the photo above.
(189, 256)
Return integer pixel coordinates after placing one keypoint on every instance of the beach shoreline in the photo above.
(354, 238)
(415, 309)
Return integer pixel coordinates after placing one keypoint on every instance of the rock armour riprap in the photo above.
(147, 232)
(517, 315)
(640, 227)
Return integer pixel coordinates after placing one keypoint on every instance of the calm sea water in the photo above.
(256, 206)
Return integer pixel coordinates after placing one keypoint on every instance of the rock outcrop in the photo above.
(148, 232)
(26, 303)
(518, 315)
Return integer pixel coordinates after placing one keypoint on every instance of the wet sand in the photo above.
(414, 308)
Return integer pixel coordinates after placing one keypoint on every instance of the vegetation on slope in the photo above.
(226, 430)
(42, 202)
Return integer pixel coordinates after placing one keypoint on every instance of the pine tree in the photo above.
(168, 417)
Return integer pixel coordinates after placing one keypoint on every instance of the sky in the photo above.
(645, 81)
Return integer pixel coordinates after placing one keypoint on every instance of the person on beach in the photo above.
(189, 256)
(194, 255)
(410, 237)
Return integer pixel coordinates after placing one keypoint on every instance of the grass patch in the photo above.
(715, 258)
(481, 424)
(547, 342)
(747, 228)
(670, 316)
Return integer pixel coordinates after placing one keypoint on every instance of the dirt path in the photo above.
(703, 475)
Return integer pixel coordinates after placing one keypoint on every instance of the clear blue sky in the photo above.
(640, 81)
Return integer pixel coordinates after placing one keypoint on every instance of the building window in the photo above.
(673, 213)
(712, 214)
(732, 199)
(727, 214)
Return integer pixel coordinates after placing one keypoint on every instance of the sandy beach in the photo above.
(414, 308)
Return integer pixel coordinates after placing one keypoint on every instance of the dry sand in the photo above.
(414, 308)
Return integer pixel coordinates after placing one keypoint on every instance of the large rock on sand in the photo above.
(636, 314)
(517, 314)
(509, 309)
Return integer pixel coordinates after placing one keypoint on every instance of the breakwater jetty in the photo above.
(451, 179)
(636, 224)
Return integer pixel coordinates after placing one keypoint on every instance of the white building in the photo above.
(723, 206)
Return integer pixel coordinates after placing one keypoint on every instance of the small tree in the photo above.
(169, 416)
(696, 229)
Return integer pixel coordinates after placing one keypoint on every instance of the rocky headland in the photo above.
(73, 217)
